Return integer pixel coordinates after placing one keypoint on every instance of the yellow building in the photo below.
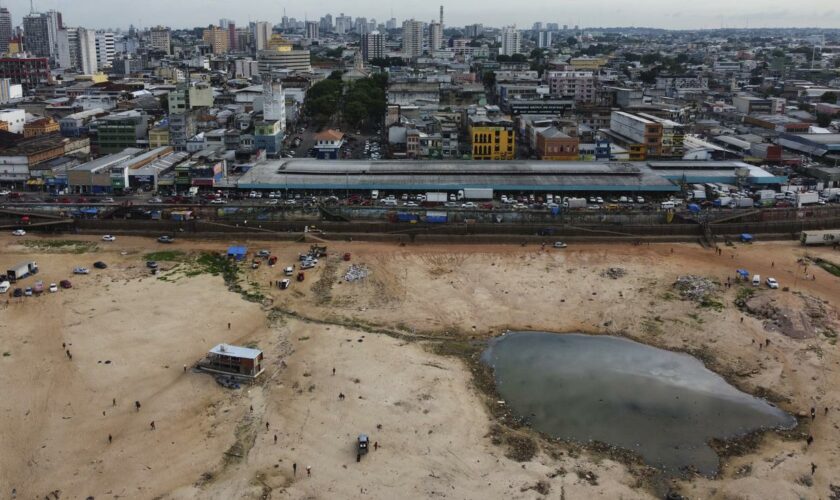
(217, 38)
(40, 127)
(94, 78)
(592, 63)
(158, 137)
(492, 137)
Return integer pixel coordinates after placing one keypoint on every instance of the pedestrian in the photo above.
(826, 411)
(68, 352)
(813, 468)
(333, 370)
(64, 345)
(110, 439)
(813, 413)
(275, 439)
(228, 326)
(772, 264)
(767, 343)
(252, 408)
(185, 368)
(70, 355)
(266, 426)
(742, 319)
(753, 341)
(375, 445)
(341, 396)
(809, 440)
(114, 402)
(294, 469)
(672, 250)
(760, 345)
(137, 405)
(152, 425)
(309, 471)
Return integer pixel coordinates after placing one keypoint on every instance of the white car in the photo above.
(109, 237)
(155, 200)
(469, 204)
(81, 270)
(19, 232)
(284, 284)
(5, 193)
(772, 283)
(559, 244)
(53, 288)
(217, 201)
(4, 286)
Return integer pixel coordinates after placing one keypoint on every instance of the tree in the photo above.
(536, 54)
(571, 41)
(829, 97)
(823, 119)
(489, 78)
(518, 58)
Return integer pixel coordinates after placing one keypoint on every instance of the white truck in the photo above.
(575, 203)
(475, 194)
(808, 198)
(830, 194)
(742, 203)
(829, 237)
(766, 194)
(436, 197)
(22, 270)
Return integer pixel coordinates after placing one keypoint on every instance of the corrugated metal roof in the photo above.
(235, 351)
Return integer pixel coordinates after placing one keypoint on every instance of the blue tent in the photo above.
(695, 208)
(743, 273)
(237, 253)
(746, 237)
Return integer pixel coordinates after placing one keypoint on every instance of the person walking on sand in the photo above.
(152, 425)
(813, 468)
(809, 440)
(375, 445)
(114, 402)
(826, 411)
(110, 439)
(308, 471)
(137, 405)
(266, 426)
(333, 370)
(228, 326)
(813, 413)
(275, 439)
(294, 469)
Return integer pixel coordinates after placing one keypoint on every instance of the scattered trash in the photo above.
(695, 288)
(356, 272)
(228, 382)
(614, 273)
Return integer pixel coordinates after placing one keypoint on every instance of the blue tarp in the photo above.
(743, 273)
(237, 253)
(746, 237)
(694, 208)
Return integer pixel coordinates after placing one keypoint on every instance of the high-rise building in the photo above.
(473, 30)
(105, 49)
(361, 25)
(326, 24)
(538, 26)
(5, 30)
(391, 24)
(511, 41)
(85, 51)
(311, 30)
(552, 27)
(41, 34)
(343, 24)
(274, 101)
(262, 34)
(544, 39)
(232, 39)
(412, 45)
(217, 38)
(435, 36)
(160, 38)
(373, 46)
(225, 23)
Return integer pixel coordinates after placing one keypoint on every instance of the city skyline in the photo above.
(593, 14)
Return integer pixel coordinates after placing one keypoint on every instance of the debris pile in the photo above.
(227, 381)
(695, 288)
(356, 272)
(613, 272)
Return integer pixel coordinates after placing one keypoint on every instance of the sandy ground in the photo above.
(431, 424)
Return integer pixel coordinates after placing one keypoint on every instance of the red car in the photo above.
(66, 284)
(300, 276)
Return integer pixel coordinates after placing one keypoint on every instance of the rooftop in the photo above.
(235, 351)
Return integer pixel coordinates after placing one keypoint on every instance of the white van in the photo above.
(756, 280)
(289, 271)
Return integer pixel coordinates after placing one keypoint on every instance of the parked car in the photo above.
(264, 253)
(166, 239)
(772, 283)
(18, 232)
(4, 286)
(284, 284)
(289, 271)
(81, 270)
(65, 284)
(151, 264)
(38, 288)
(300, 276)
(109, 237)
(559, 244)
(218, 201)
(17, 293)
(28, 291)
(53, 288)
(100, 265)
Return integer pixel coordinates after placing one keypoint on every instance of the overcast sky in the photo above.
(652, 13)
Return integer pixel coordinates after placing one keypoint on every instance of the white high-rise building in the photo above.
(373, 46)
(412, 38)
(87, 57)
(262, 34)
(544, 39)
(435, 36)
(160, 38)
(312, 30)
(511, 41)
(105, 49)
(274, 102)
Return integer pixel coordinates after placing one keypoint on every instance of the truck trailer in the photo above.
(436, 198)
(476, 194)
(808, 198)
(829, 237)
(22, 270)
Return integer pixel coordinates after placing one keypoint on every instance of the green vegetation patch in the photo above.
(61, 246)
(166, 256)
(828, 266)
